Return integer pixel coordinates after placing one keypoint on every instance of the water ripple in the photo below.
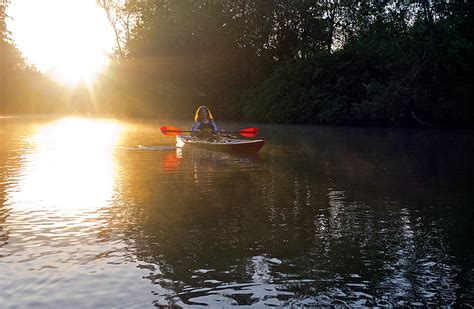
(320, 218)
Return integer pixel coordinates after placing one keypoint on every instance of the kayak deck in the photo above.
(225, 144)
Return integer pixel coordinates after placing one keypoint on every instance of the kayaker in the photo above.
(204, 122)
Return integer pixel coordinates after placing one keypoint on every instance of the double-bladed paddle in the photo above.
(173, 131)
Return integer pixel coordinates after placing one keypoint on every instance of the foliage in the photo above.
(289, 61)
(392, 72)
(22, 88)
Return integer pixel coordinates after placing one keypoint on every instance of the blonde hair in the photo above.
(196, 117)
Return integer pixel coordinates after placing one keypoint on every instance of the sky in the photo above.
(69, 39)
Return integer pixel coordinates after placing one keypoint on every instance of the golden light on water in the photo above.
(68, 39)
(71, 166)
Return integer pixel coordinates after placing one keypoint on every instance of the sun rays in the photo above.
(68, 40)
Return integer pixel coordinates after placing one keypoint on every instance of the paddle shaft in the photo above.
(189, 131)
(172, 131)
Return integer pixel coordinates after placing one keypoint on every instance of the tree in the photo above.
(121, 16)
(334, 61)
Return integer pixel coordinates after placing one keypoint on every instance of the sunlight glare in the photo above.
(72, 168)
(67, 39)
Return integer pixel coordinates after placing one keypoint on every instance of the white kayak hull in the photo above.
(222, 144)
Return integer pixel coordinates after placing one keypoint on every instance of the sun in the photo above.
(67, 39)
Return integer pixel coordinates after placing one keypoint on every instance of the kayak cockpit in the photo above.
(220, 143)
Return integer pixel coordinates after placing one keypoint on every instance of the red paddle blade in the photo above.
(170, 130)
(249, 132)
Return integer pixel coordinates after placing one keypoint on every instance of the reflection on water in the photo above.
(56, 171)
(61, 188)
(58, 185)
(321, 217)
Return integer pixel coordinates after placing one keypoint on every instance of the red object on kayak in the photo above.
(171, 131)
(249, 132)
(223, 144)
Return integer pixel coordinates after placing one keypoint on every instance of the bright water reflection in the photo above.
(58, 188)
(113, 215)
(57, 170)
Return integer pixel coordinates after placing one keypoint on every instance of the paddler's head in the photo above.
(203, 113)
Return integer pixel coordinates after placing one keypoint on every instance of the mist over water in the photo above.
(103, 212)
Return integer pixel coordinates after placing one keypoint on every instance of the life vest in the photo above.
(206, 127)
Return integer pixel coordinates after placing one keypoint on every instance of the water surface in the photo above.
(108, 213)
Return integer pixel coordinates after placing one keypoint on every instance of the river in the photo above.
(109, 213)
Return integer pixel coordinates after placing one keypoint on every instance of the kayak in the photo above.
(225, 144)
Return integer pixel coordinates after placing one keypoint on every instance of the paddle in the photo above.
(173, 131)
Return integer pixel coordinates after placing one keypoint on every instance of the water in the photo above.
(108, 213)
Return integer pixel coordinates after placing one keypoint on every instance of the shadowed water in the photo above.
(108, 213)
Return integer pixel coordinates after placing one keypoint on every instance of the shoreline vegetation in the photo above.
(382, 63)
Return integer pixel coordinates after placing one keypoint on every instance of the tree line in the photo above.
(287, 61)
(23, 89)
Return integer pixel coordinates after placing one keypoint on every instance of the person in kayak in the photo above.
(204, 124)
